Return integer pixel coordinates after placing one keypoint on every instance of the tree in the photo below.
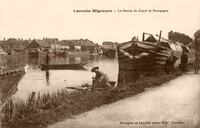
(180, 37)
(170, 35)
(197, 40)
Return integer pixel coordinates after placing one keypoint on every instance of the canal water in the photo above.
(36, 80)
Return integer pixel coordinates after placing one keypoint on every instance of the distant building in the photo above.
(56, 46)
(109, 49)
(88, 45)
(13, 44)
(44, 44)
(2, 50)
(79, 45)
(64, 45)
(38, 45)
(25, 43)
(108, 45)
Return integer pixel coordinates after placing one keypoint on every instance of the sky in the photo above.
(36, 19)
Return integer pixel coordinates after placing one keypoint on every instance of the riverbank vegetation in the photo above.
(41, 110)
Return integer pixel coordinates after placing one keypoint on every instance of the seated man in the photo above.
(101, 80)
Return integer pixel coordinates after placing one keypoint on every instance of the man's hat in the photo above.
(95, 68)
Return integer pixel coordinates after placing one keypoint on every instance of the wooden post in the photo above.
(143, 36)
(159, 38)
(118, 65)
(134, 63)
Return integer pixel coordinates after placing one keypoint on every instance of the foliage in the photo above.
(180, 37)
(197, 40)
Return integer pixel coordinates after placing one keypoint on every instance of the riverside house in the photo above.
(43, 45)
(38, 45)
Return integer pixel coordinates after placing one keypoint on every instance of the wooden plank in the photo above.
(125, 53)
(126, 45)
(147, 47)
(122, 57)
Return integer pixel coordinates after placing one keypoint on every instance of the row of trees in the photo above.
(185, 39)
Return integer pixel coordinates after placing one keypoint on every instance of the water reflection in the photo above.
(9, 79)
(34, 62)
(36, 80)
(47, 77)
(95, 58)
(9, 85)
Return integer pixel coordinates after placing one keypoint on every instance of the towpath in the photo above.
(175, 104)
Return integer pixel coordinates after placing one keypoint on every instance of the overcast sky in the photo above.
(56, 19)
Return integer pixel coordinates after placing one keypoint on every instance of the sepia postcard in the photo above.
(100, 63)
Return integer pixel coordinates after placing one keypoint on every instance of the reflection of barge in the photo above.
(78, 53)
(9, 79)
(75, 66)
(68, 53)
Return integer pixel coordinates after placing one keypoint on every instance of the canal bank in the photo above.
(174, 104)
(46, 109)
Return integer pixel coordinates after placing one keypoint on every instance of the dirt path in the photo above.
(177, 101)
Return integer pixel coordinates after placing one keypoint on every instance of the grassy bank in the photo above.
(42, 110)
